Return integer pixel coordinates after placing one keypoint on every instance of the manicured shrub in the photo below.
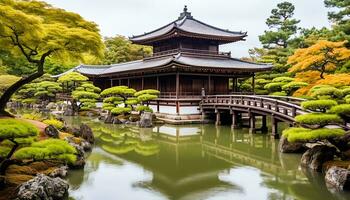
(148, 91)
(33, 116)
(278, 94)
(245, 87)
(319, 119)
(48, 149)
(54, 122)
(14, 128)
(283, 79)
(142, 108)
(342, 110)
(318, 105)
(303, 134)
(291, 87)
(120, 110)
(274, 87)
(261, 92)
(326, 92)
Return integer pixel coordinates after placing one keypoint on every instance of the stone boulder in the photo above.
(59, 172)
(80, 162)
(43, 187)
(314, 157)
(146, 120)
(338, 178)
(291, 147)
(86, 133)
(52, 131)
(342, 142)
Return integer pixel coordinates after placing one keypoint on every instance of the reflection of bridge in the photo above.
(235, 105)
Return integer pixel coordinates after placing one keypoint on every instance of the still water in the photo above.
(190, 162)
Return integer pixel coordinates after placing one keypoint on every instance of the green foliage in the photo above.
(48, 149)
(33, 116)
(146, 97)
(131, 101)
(119, 91)
(46, 90)
(6, 81)
(326, 92)
(72, 80)
(148, 91)
(303, 134)
(274, 87)
(15, 128)
(142, 108)
(319, 119)
(54, 122)
(260, 83)
(119, 49)
(319, 105)
(278, 94)
(342, 110)
(291, 87)
(246, 87)
(282, 79)
(120, 110)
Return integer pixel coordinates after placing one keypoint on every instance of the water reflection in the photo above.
(191, 162)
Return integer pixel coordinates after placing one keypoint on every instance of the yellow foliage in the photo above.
(303, 91)
(335, 80)
(308, 76)
(321, 56)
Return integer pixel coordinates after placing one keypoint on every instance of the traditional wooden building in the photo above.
(186, 61)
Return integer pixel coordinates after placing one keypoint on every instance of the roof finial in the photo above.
(185, 13)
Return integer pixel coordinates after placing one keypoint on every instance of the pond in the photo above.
(190, 162)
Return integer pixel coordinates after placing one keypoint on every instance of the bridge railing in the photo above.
(293, 100)
(262, 103)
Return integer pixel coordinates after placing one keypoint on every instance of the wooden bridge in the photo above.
(280, 109)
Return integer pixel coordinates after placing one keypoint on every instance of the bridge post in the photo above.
(251, 122)
(274, 127)
(234, 119)
(218, 118)
(264, 128)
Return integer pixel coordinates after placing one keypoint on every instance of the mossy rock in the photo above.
(17, 179)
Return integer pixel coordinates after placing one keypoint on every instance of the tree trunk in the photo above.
(13, 88)
(7, 161)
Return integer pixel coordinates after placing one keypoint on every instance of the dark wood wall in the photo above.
(186, 43)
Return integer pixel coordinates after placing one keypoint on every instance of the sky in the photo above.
(134, 17)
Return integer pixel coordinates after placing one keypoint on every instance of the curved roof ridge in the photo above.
(250, 62)
(217, 28)
(158, 29)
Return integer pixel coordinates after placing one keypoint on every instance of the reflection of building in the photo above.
(186, 58)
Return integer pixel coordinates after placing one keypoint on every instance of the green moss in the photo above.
(33, 116)
(14, 128)
(318, 119)
(342, 110)
(278, 94)
(303, 134)
(4, 150)
(319, 105)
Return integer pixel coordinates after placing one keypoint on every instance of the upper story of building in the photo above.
(188, 35)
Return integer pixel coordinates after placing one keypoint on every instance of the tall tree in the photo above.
(36, 30)
(282, 26)
(340, 14)
(119, 49)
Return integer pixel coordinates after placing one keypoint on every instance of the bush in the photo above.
(142, 108)
(14, 128)
(303, 134)
(274, 87)
(245, 87)
(120, 110)
(33, 116)
(148, 91)
(261, 92)
(146, 97)
(54, 122)
(326, 92)
(291, 87)
(283, 79)
(48, 149)
(318, 119)
(319, 105)
(342, 110)
(278, 94)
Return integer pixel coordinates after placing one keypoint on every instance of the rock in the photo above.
(146, 120)
(335, 163)
(86, 145)
(86, 133)
(59, 172)
(51, 131)
(43, 187)
(291, 147)
(338, 178)
(342, 142)
(346, 155)
(134, 118)
(316, 156)
(80, 162)
(109, 119)
(68, 112)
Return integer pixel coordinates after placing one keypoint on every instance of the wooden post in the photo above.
(209, 85)
(128, 82)
(157, 106)
(218, 118)
(177, 84)
(120, 82)
(177, 107)
(111, 82)
(251, 122)
(158, 83)
(274, 127)
(264, 128)
(142, 83)
(234, 119)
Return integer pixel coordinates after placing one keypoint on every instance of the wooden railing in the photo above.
(278, 108)
(190, 51)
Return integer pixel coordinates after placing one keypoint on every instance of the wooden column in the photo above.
(128, 82)
(177, 84)
(233, 84)
(218, 118)
(142, 83)
(111, 82)
(157, 106)
(234, 119)
(158, 83)
(252, 123)
(120, 82)
(264, 128)
(177, 107)
(274, 127)
(209, 85)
